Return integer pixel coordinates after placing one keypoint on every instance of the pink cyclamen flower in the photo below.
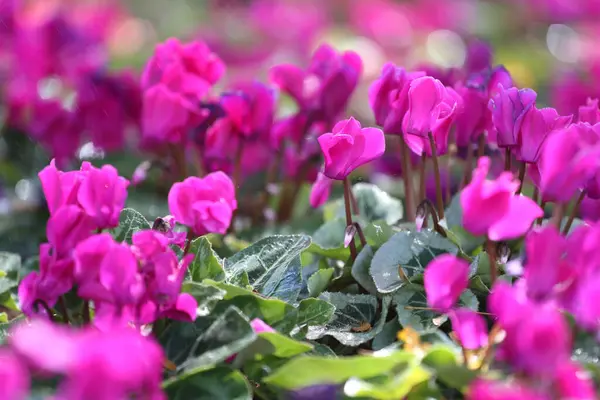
(324, 89)
(570, 158)
(196, 68)
(432, 108)
(14, 377)
(545, 268)
(127, 363)
(68, 226)
(108, 104)
(535, 127)
(320, 190)
(572, 381)
(250, 109)
(61, 188)
(388, 97)
(349, 146)
(168, 116)
(474, 119)
(590, 112)
(259, 326)
(205, 205)
(445, 278)
(102, 196)
(470, 328)
(508, 109)
(491, 207)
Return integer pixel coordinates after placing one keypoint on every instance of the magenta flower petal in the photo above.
(260, 326)
(470, 328)
(445, 278)
(320, 190)
(185, 308)
(518, 219)
(14, 377)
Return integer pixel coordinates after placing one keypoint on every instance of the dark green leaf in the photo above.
(360, 269)
(272, 343)
(130, 221)
(375, 204)
(207, 296)
(410, 250)
(328, 240)
(207, 341)
(311, 370)
(453, 223)
(318, 281)
(220, 383)
(355, 319)
(272, 264)
(377, 233)
(276, 313)
(7, 326)
(420, 318)
(314, 312)
(207, 263)
(387, 336)
(10, 265)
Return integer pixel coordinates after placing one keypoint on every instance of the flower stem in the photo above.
(41, 303)
(490, 248)
(507, 159)
(542, 206)
(349, 215)
(188, 243)
(237, 165)
(429, 208)
(558, 214)
(468, 171)
(407, 180)
(354, 203)
(536, 194)
(522, 169)
(481, 146)
(574, 212)
(62, 308)
(422, 170)
(288, 198)
(85, 312)
(439, 196)
(178, 154)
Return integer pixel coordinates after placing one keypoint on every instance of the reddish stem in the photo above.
(407, 180)
(439, 196)
(349, 216)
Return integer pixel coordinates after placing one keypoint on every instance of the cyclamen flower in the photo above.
(205, 205)
(570, 158)
(445, 278)
(14, 377)
(320, 190)
(470, 328)
(190, 68)
(103, 366)
(508, 108)
(68, 226)
(432, 108)
(61, 188)
(324, 89)
(102, 195)
(349, 146)
(535, 127)
(590, 112)
(388, 97)
(491, 207)
(250, 109)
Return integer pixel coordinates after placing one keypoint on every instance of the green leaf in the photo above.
(375, 204)
(392, 387)
(377, 233)
(319, 280)
(453, 222)
(311, 370)
(587, 352)
(328, 240)
(387, 336)
(443, 360)
(207, 341)
(5, 327)
(10, 265)
(313, 312)
(276, 313)
(207, 296)
(421, 320)
(410, 250)
(360, 269)
(355, 318)
(207, 263)
(130, 221)
(273, 265)
(220, 383)
(272, 343)
(469, 300)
